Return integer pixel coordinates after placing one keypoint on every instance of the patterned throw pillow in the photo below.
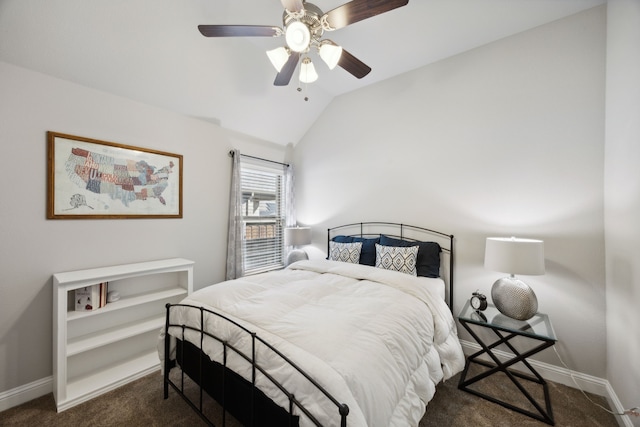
(402, 259)
(345, 252)
(428, 260)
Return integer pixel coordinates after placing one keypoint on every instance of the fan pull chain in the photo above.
(306, 85)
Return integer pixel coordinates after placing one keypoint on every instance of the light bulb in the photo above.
(307, 71)
(278, 57)
(297, 36)
(330, 54)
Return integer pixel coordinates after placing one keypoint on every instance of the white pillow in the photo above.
(345, 252)
(396, 258)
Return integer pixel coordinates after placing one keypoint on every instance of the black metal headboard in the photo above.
(404, 232)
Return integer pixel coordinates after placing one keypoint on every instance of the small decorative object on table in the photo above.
(512, 296)
(478, 301)
(113, 296)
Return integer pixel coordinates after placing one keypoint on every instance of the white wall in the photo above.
(506, 139)
(32, 248)
(622, 201)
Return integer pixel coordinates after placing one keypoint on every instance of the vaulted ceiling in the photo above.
(152, 52)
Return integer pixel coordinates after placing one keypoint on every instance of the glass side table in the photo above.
(538, 330)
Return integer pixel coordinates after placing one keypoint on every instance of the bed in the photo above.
(323, 342)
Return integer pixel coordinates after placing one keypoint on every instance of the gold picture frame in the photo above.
(93, 179)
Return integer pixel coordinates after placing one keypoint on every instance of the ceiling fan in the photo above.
(303, 27)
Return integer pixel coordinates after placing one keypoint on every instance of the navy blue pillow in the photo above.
(428, 261)
(343, 239)
(368, 252)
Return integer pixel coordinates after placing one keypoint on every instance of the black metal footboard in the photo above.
(237, 396)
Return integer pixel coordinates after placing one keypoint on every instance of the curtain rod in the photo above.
(232, 153)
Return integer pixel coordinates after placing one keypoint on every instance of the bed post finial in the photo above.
(344, 411)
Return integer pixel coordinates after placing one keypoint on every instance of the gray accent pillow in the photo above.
(345, 252)
(397, 258)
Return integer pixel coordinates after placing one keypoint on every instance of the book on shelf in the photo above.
(91, 298)
(103, 294)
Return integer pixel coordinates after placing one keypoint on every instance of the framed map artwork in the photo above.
(91, 179)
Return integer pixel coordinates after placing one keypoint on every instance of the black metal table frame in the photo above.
(545, 414)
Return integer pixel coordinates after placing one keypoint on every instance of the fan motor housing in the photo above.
(310, 16)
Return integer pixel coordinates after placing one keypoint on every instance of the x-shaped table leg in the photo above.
(544, 414)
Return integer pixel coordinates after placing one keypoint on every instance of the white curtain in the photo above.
(289, 204)
(234, 242)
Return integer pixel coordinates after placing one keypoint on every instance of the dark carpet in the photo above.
(140, 403)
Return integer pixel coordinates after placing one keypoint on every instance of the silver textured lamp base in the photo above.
(296, 255)
(514, 298)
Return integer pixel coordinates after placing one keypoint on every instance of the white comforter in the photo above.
(377, 340)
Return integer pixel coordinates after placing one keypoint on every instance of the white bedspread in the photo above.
(377, 340)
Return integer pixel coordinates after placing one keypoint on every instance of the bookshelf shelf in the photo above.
(97, 351)
(111, 335)
(84, 388)
(128, 302)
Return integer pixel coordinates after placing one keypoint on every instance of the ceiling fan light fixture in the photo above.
(278, 57)
(330, 54)
(298, 36)
(307, 71)
(303, 25)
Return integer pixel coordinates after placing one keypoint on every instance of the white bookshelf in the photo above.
(97, 351)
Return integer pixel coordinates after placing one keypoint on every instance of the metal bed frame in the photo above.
(341, 409)
(200, 369)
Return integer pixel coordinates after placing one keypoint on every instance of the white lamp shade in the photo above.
(297, 236)
(278, 57)
(297, 36)
(307, 71)
(330, 54)
(514, 256)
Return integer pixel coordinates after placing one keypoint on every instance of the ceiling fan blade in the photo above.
(357, 10)
(353, 65)
(284, 76)
(292, 5)
(239, 30)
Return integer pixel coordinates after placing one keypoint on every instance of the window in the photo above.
(263, 214)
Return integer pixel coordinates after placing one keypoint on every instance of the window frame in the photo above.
(263, 183)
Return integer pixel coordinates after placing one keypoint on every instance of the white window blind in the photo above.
(263, 212)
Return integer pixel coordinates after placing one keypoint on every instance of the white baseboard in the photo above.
(25, 393)
(588, 383)
(561, 375)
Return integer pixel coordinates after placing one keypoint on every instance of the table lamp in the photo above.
(511, 296)
(296, 237)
